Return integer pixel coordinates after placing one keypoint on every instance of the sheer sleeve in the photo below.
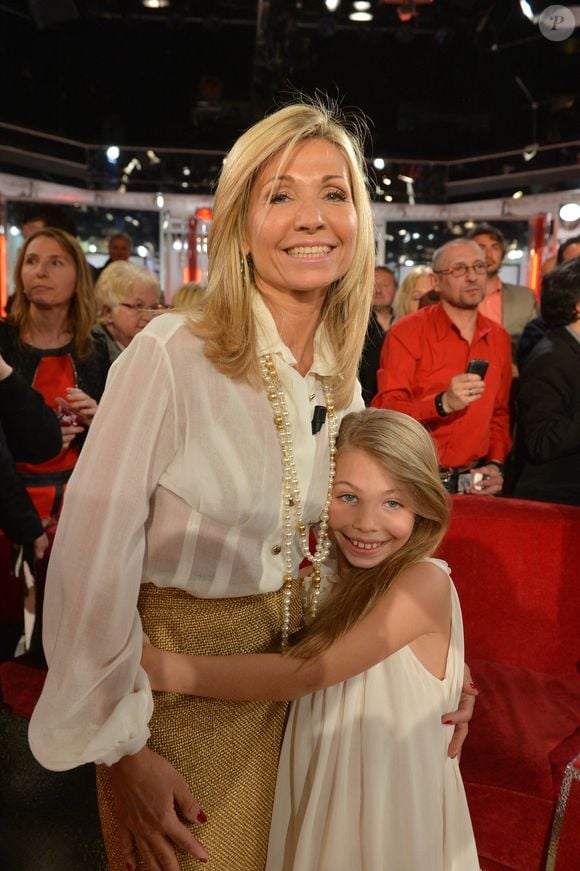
(96, 701)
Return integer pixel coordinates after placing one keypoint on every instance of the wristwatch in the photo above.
(439, 406)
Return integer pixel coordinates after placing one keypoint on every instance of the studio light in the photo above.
(112, 153)
(332, 5)
(570, 212)
(379, 163)
(159, 201)
(517, 195)
(530, 152)
(527, 10)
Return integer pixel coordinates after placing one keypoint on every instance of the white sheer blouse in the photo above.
(178, 484)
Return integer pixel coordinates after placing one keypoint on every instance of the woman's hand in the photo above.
(83, 404)
(150, 797)
(69, 433)
(461, 717)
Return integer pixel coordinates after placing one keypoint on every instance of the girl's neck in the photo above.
(47, 328)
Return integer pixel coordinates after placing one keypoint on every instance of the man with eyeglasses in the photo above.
(511, 305)
(423, 373)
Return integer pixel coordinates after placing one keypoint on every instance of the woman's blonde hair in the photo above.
(115, 284)
(82, 311)
(227, 321)
(404, 295)
(405, 450)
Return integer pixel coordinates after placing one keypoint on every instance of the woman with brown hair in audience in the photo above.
(47, 339)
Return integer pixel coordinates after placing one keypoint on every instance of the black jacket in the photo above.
(29, 431)
(548, 421)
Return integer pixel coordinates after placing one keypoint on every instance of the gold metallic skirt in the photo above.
(227, 751)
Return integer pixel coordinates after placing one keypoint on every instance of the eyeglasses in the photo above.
(140, 308)
(461, 269)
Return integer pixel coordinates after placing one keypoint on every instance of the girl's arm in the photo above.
(417, 604)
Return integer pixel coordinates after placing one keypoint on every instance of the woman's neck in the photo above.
(296, 321)
(47, 328)
(121, 341)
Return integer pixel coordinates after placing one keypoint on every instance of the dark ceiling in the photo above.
(456, 80)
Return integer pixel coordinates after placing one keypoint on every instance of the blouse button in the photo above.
(276, 549)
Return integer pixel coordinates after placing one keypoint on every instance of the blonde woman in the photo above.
(187, 295)
(199, 507)
(416, 284)
(128, 296)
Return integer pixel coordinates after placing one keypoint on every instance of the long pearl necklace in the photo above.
(292, 520)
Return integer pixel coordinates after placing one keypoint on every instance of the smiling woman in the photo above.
(191, 520)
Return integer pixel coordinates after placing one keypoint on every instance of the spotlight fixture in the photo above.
(570, 212)
(517, 195)
(332, 5)
(530, 152)
(155, 4)
(112, 153)
(527, 10)
(153, 159)
(379, 163)
(159, 200)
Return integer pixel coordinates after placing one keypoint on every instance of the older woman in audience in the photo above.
(414, 286)
(128, 296)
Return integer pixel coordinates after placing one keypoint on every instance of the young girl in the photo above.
(365, 781)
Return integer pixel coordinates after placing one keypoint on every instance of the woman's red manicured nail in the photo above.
(448, 722)
(201, 818)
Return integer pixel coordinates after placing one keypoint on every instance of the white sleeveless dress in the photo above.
(365, 783)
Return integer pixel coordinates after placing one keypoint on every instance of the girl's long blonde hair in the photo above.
(226, 323)
(82, 312)
(403, 447)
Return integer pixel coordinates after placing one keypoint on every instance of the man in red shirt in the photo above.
(423, 372)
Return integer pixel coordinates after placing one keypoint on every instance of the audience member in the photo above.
(548, 431)
(568, 250)
(29, 431)
(187, 295)
(414, 286)
(47, 339)
(120, 247)
(510, 305)
(128, 296)
(36, 216)
(423, 373)
(380, 320)
(537, 329)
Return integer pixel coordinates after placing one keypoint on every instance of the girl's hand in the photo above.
(153, 661)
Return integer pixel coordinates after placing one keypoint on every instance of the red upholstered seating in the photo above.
(516, 565)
